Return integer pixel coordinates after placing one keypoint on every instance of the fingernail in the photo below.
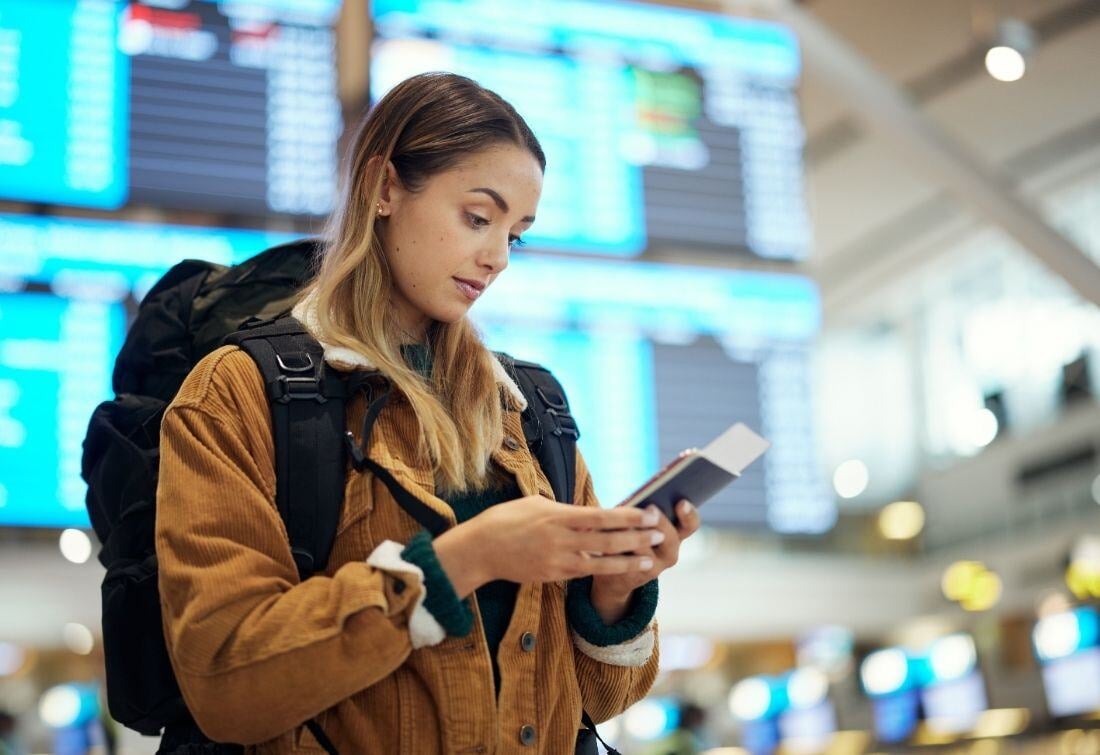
(650, 517)
(646, 564)
(686, 507)
(656, 537)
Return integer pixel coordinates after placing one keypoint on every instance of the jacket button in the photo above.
(527, 735)
(527, 641)
(511, 443)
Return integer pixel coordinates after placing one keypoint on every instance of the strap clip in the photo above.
(562, 423)
(296, 387)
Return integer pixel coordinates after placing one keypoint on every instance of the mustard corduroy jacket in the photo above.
(258, 653)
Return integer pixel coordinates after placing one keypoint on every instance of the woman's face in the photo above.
(449, 241)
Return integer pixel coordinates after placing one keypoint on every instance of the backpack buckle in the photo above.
(563, 424)
(298, 389)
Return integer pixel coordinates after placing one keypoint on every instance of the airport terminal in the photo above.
(868, 231)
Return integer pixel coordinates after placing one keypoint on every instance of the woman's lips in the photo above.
(469, 289)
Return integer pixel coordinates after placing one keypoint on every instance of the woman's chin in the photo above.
(450, 314)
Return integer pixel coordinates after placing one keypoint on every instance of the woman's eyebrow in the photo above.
(500, 202)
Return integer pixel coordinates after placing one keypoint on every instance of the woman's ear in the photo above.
(392, 190)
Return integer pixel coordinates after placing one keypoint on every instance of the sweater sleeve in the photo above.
(586, 621)
(453, 614)
(240, 628)
(612, 676)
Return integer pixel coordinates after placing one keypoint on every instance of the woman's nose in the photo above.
(495, 257)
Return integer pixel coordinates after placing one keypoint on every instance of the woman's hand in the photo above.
(534, 539)
(611, 592)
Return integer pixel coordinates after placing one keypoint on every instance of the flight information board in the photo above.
(65, 289)
(650, 375)
(56, 356)
(663, 127)
(227, 107)
(647, 374)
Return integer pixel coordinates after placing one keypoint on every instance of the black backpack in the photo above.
(192, 310)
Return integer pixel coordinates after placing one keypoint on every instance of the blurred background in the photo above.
(869, 230)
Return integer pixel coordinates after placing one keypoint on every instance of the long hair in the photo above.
(425, 125)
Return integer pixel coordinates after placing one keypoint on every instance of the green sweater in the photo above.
(496, 600)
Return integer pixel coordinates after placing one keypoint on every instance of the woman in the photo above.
(383, 650)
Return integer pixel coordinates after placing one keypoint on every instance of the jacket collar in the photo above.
(345, 359)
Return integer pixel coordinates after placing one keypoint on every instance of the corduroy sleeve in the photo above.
(255, 651)
(613, 677)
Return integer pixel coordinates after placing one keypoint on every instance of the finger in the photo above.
(619, 541)
(688, 517)
(617, 565)
(669, 546)
(590, 517)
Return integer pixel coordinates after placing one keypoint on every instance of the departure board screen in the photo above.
(56, 356)
(663, 127)
(647, 374)
(227, 107)
(67, 287)
(650, 375)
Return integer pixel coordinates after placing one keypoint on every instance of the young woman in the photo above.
(496, 634)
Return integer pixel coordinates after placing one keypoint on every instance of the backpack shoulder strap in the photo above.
(548, 425)
(308, 420)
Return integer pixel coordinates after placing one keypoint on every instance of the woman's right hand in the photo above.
(534, 539)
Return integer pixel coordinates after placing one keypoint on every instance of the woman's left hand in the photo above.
(611, 592)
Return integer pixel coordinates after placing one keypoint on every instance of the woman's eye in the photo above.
(476, 221)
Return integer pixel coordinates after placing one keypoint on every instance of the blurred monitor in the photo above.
(1072, 684)
(954, 706)
(808, 729)
(760, 736)
(896, 716)
(649, 374)
(55, 366)
(663, 127)
(66, 289)
(227, 107)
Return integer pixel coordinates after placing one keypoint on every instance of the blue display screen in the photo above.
(897, 716)
(58, 344)
(63, 103)
(657, 359)
(195, 104)
(55, 367)
(662, 127)
(654, 358)
(1072, 684)
(81, 254)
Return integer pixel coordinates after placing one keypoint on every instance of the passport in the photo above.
(698, 474)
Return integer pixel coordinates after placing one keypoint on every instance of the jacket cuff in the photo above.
(588, 625)
(635, 652)
(424, 630)
(441, 600)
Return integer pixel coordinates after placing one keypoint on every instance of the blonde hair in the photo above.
(425, 125)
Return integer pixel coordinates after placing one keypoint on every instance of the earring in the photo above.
(379, 205)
